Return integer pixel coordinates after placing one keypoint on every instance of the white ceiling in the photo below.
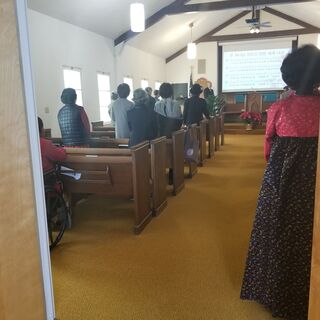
(110, 18)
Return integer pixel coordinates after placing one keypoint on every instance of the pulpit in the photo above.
(253, 102)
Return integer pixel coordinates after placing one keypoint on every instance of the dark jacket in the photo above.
(142, 124)
(194, 109)
(72, 129)
(167, 126)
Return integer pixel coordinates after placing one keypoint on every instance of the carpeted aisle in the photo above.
(187, 264)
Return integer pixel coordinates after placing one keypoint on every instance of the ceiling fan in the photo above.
(254, 23)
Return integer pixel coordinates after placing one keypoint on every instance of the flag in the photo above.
(191, 81)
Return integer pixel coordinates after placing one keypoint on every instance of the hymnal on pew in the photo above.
(70, 173)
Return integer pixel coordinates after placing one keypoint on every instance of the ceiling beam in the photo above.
(210, 33)
(288, 18)
(156, 17)
(228, 4)
(268, 34)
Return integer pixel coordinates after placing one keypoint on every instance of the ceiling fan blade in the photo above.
(265, 26)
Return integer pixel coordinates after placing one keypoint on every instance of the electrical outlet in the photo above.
(46, 110)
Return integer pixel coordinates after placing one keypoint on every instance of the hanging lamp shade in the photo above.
(137, 17)
(191, 51)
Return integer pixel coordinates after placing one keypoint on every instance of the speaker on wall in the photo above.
(201, 66)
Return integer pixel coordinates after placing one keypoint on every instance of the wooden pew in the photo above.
(175, 160)
(96, 124)
(192, 166)
(217, 134)
(115, 173)
(103, 133)
(104, 128)
(158, 165)
(202, 137)
(107, 142)
(210, 137)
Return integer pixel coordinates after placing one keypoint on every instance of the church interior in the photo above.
(152, 230)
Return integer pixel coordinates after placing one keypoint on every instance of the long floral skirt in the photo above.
(277, 273)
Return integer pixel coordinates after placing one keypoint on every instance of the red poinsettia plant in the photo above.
(251, 117)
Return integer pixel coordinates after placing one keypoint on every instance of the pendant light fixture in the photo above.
(137, 17)
(192, 47)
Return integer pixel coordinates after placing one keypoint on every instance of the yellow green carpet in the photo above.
(187, 264)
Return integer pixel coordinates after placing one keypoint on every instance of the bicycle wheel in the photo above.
(57, 217)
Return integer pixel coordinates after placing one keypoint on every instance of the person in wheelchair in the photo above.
(57, 209)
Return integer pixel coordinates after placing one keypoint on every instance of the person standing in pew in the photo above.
(168, 111)
(73, 121)
(151, 99)
(141, 119)
(195, 107)
(120, 107)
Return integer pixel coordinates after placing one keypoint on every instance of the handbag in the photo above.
(191, 148)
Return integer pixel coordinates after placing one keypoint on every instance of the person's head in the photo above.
(148, 90)
(114, 96)
(207, 92)
(123, 90)
(156, 93)
(140, 97)
(40, 126)
(69, 96)
(166, 90)
(301, 69)
(196, 90)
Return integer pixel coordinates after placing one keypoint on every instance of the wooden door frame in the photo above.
(33, 131)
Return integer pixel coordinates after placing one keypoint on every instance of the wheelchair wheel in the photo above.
(57, 216)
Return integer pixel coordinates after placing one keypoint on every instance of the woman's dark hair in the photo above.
(123, 90)
(166, 90)
(196, 89)
(69, 96)
(40, 124)
(301, 69)
(155, 92)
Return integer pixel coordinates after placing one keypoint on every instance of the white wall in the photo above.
(178, 70)
(139, 65)
(55, 44)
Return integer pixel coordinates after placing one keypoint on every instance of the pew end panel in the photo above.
(158, 174)
(113, 173)
(141, 186)
(210, 137)
(202, 137)
(178, 161)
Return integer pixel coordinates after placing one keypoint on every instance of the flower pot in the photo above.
(249, 126)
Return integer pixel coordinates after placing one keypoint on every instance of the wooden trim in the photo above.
(210, 33)
(21, 277)
(156, 17)
(228, 4)
(288, 18)
(262, 35)
(314, 301)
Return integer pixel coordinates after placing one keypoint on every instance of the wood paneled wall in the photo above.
(21, 287)
(314, 306)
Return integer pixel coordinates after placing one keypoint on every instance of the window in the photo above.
(318, 45)
(157, 85)
(129, 82)
(104, 96)
(144, 84)
(72, 79)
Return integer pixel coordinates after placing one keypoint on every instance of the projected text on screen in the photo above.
(254, 70)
